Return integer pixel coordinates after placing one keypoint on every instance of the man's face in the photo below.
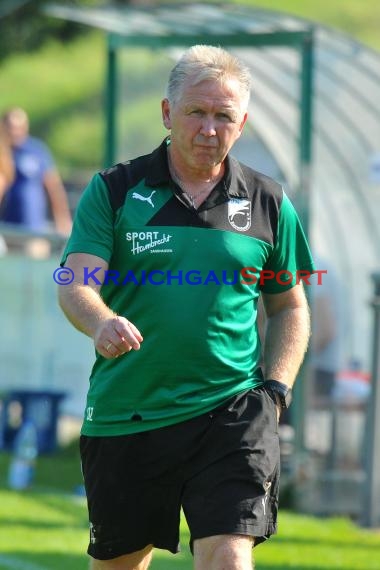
(204, 123)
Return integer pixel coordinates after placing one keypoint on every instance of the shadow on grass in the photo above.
(334, 544)
(41, 525)
(291, 566)
(68, 505)
(59, 561)
(65, 504)
(41, 561)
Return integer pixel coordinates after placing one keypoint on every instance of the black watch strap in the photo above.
(282, 392)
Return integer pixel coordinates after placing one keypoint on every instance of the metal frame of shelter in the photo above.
(301, 40)
(167, 26)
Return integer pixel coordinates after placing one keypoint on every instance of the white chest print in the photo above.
(148, 199)
(239, 214)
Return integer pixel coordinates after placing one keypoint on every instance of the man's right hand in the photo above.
(116, 336)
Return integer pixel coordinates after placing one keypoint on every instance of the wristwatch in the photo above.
(281, 393)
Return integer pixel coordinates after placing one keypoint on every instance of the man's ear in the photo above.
(165, 109)
(243, 123)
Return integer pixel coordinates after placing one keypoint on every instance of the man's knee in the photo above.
(232, 552)
(139, 560)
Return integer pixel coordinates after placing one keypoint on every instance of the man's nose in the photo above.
(208, 128)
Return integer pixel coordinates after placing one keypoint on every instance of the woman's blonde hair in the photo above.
(7, 170)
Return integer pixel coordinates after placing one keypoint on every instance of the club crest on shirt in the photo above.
(239, 214)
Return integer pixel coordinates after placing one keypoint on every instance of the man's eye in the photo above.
(196, 113)
(224, 117)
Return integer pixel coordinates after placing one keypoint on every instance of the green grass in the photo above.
(62, 88)
(361, 19)
(53, 79)
(46, 528)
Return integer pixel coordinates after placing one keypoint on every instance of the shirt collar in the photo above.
(233, 183)
(158, 170)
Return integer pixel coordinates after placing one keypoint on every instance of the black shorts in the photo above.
(221, 467)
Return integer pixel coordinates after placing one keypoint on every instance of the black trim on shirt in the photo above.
(239, 182)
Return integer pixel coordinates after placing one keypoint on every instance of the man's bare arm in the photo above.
(287, 334)
(82, 304)
(58, 200)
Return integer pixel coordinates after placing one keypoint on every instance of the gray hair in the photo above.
(204, 62)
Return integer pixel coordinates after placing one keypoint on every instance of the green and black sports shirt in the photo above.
(189, 280)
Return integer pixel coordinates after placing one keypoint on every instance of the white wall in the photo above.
(39, 349)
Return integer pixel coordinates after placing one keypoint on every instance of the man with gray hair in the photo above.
(171, 252)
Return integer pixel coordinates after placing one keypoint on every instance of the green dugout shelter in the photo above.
(179, 25)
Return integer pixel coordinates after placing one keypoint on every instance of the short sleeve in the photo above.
(45, 157)
(92, 231)
(291, 255)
